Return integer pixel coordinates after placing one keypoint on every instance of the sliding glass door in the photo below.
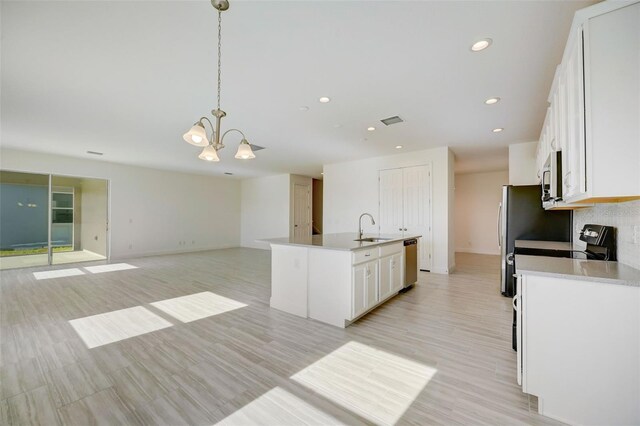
(24, 220)
(48, 219)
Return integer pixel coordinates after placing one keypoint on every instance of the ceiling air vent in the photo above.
(228, 173)
(256, 147)
(392, 120)
(95, 153)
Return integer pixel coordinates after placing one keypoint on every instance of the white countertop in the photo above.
(578, 269)
(341, 241)
(544, 245)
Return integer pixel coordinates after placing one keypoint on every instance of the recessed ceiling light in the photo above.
(398, 146)
(497, 130)
(303, 108)
(492, 101)
(324, 100)
(322, 173)
(371, 129)
(481, 44)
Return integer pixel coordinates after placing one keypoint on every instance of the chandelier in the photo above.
(197, 135)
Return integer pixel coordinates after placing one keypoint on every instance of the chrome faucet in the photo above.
(373, 222)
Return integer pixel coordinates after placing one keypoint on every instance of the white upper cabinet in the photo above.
(612, 100)
(594, 114)
(573, 171)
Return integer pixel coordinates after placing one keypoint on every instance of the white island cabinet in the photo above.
(334, 278)
(579, 339)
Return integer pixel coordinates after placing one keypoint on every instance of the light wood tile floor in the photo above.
(252, 364)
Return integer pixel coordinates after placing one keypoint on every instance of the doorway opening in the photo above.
(316, 206)
(50, 219)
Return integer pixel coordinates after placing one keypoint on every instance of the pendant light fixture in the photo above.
(197, 135)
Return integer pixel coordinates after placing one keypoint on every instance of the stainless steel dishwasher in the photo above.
(410, 262)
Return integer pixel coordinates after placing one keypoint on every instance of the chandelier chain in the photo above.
(219, 54)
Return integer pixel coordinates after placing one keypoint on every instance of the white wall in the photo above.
(94, 215)
(265, 209)
(522, 164)
(477, 198)
(351, 188)
(152, 211)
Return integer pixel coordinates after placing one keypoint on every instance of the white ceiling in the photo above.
(128, 78)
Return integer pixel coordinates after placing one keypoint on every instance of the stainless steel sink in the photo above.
(372, 239)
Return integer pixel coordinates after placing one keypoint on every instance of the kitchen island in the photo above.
(336, 278)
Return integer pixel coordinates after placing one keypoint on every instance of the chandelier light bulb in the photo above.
(244, 151)
(196, 136)
(209, 153)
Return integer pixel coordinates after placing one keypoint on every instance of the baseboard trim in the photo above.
(475, 251)
(167, 252)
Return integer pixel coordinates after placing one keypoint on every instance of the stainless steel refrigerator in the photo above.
(521, 217)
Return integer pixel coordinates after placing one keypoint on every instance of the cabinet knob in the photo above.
(399, 229)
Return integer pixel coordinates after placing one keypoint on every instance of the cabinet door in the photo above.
(358, 291)
(397, 272)
(386, 277)
(371, 288)
(574, 175)
(391, 215)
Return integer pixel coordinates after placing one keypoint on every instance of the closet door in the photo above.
(417, 210)
(391, 194)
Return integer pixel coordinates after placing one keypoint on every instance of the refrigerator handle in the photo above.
(499, 224)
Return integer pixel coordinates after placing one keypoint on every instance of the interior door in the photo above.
(417, 210)
(391, 205)
(301, 211)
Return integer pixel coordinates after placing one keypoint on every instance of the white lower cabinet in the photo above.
(376, 275)
(364, 287)
(579, 349)
(335, 286)
(390, 275)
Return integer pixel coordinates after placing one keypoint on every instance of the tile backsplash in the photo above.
(625, 217)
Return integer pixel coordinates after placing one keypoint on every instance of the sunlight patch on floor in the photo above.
(102, 329)
(59, 273)
(197, 306)
(109, 268)
(279, 407)
(371, 383)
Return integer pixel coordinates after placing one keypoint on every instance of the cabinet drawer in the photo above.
(365, 255)
(390, 249)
